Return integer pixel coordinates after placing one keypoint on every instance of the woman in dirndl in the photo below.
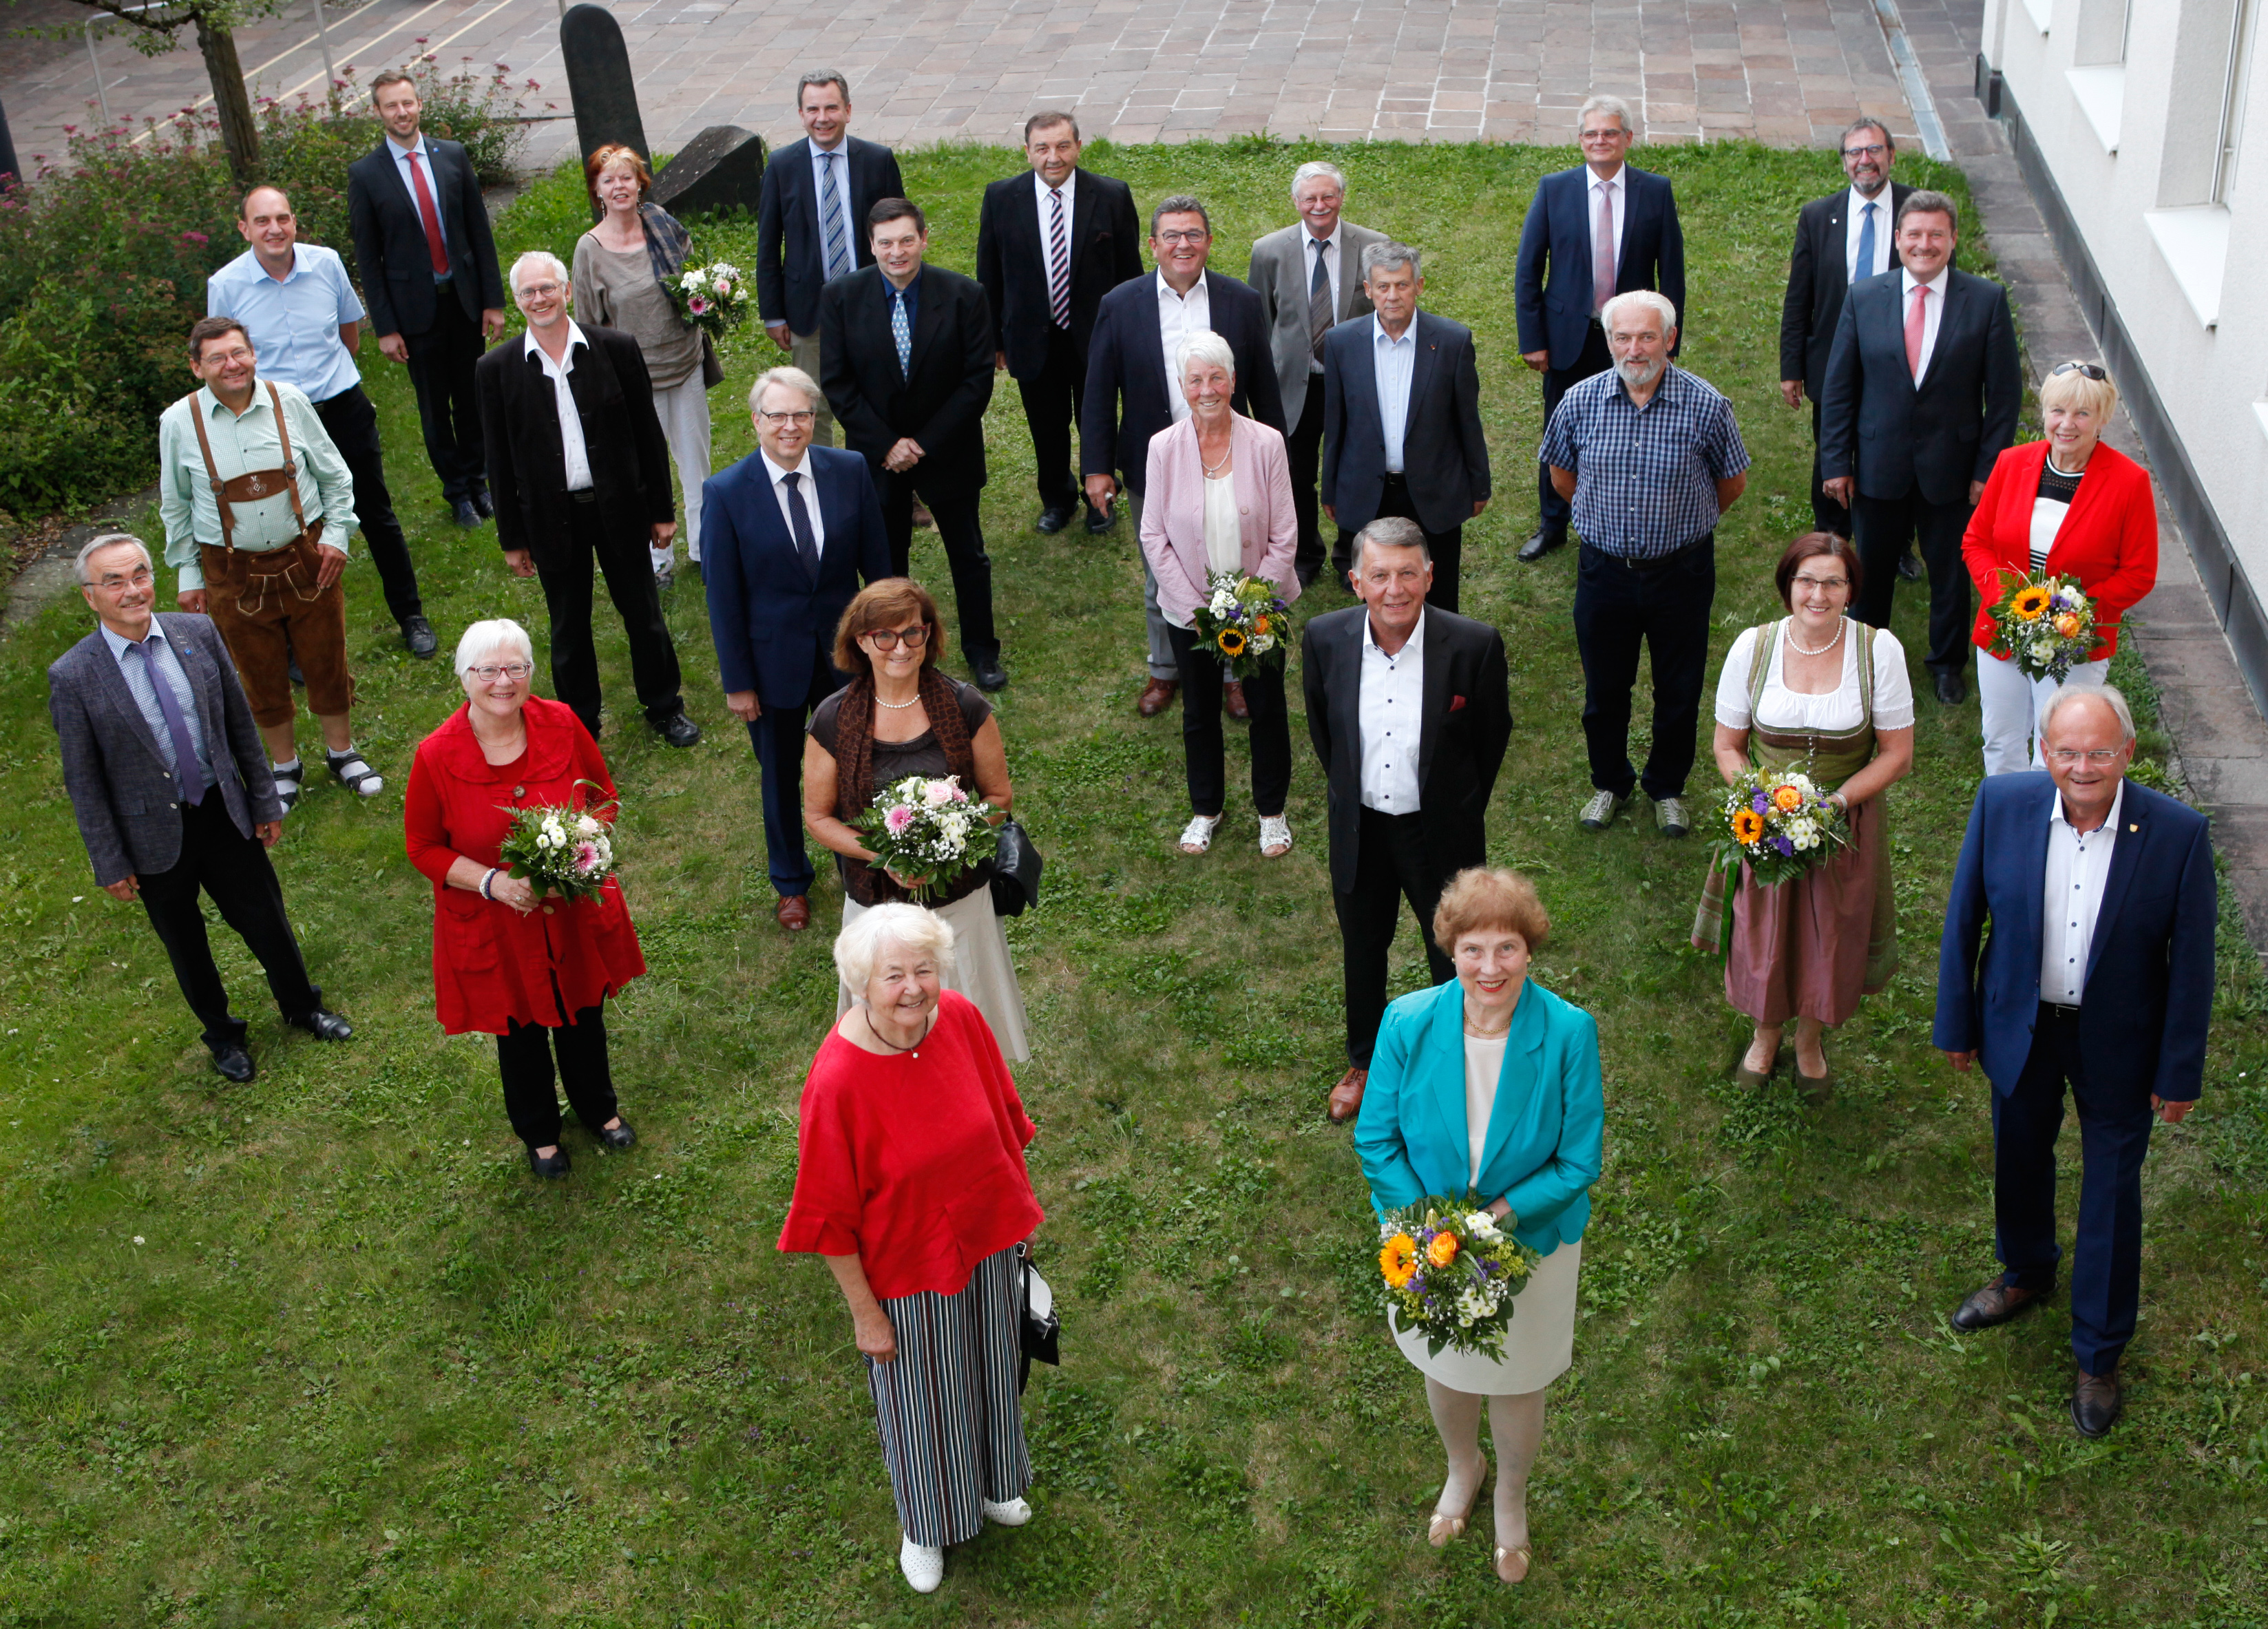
(1821, 693)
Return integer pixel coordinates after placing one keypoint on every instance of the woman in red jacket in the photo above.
(532, 973)
(2072, 507)
(910, 1180)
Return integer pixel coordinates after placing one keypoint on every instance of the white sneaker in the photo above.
(923, 1566)
(1015, 1512)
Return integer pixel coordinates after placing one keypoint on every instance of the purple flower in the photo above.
(1761, 804)
(1780, 846)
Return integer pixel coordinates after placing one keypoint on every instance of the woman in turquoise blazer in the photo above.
(1490, 1085)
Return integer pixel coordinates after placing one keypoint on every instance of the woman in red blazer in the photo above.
(2072, 507)
(532, 973)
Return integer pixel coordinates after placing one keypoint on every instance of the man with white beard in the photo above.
(1649, 456)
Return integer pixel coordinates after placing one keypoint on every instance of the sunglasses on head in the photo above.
(2086, 370)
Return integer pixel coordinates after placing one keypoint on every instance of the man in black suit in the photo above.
(1591, 233)
(431, 281)
(1130, 396)
(581, 477)
(1406, 804)
(1049, 247)
(811, 220)
(168, 777)
(1921, 394)
(909, 351)
(1840, 240)
(1401, 419)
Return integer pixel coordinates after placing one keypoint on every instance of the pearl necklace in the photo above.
(1805, 650)
(897, 706)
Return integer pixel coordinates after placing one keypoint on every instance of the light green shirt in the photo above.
(242, 444)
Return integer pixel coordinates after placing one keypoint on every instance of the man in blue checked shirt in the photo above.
(305, 323)
(1649, 456)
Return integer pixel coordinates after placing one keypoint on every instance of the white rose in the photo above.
(586, 827)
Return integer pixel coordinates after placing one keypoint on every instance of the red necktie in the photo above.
(1914, 328)
(1602, 253)
(436, 245)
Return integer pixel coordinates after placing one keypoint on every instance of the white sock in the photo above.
(291, 768)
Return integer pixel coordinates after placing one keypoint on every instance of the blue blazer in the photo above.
(791, 267)
(1126, 358)
(1543, 1134)
(2148, 994)
(773, 625)
(1554, 304)
(1444, 455)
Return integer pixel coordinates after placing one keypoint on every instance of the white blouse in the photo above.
(1792, 712)
(1484, 1067)
(1224, 532)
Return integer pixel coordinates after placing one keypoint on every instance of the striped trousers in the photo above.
(951, 1417)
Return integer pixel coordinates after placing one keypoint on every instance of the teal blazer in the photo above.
(1543, 1134)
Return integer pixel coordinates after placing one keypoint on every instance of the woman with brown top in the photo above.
(900, 715)
(619, 265)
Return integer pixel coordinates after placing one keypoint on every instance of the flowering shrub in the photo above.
(104, 256)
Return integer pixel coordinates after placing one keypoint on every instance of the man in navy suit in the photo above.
(788, 534)
(1130, 394)
(1840, 240)
(811, 220)
(1591, 233)
(2097, 979)
(1401, 419)
(1921, 394)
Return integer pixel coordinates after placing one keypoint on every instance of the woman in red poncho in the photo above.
(532, 973)
(910, 1180)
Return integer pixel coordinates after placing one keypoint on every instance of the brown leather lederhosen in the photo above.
(266, 603)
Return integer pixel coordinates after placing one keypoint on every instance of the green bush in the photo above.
(103, 263)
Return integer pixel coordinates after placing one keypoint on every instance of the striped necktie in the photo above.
(830, 219)
(1058, 260)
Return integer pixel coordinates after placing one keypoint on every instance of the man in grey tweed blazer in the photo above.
(173, 791)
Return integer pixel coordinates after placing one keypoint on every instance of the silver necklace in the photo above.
(1805, 650)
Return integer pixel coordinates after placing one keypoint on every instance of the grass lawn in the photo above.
(319, 1351)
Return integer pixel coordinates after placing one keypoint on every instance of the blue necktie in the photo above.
(799, 518)
(1866, 267)
(188, 774)
(830, 219)
(902, 331)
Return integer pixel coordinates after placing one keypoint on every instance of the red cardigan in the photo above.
(915, 1163)
(2109, 540)
(491, 965)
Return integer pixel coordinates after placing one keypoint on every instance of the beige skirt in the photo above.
(981, 969)
(1538, 1344)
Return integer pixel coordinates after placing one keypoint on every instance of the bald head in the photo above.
(265, 221)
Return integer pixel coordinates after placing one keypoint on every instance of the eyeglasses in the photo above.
(539, 291)
(114, 583)
(2100, 758)
(1803, 581)
(2085, 370)
(1874, 150)
(493, 671)
(1183, 237)
(801, 417)
(890, 638)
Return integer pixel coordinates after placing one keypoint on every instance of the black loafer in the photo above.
(988, 673)
(483, 506)
(1100, 521)
(617, 1136)
(1952, 689)
(1543, 543)
(418, 635)
(324, 1025)
(1053, 518)
(555, 1167)
(465, 515)
(678, 730)
(2094, 1404)
(1910, 567)
(232, 1061)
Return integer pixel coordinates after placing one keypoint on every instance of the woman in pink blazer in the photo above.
(1219, 499)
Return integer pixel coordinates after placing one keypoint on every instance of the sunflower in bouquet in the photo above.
(2044, 624)
(1244, 621)
(1450, 1272)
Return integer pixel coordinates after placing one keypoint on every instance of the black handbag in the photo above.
(1016, 867)
(1040, 1330)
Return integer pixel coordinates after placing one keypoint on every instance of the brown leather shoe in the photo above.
(1994, 1304)
(1233, 693)
(1346, 1097)
(794, 912)
(1154, 696)
(2094, 1404)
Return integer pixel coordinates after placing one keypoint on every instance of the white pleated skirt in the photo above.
(1538, 1344)
(981, 969)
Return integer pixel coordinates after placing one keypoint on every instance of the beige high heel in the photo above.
(1512, 1565)
(1441, 1527)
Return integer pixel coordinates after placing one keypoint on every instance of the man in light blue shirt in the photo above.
(306, 324)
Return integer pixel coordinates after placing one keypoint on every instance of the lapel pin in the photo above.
(2133, 826)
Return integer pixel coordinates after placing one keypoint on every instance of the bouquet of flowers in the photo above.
(2045, 624)
(1451, 1271)
(712, 298)
(1781, 824)
(929, 829)
(567, 851)
(1245, 622)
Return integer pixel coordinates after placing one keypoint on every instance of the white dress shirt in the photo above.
(432, 185)
(1932, 314)
(1854, 222)
(1612, 190)
(806, 490)
(562, 394)
(840, 154)
(1178, 316)
(1040, 191)
(2072, 899)
(1334, 252)
(1394, 361)
(1391, 697)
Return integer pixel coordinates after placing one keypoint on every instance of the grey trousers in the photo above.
(803, 351)
(1162, 664)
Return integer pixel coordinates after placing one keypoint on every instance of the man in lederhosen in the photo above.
(259, 506)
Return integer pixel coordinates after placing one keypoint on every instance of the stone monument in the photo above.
(599, 81)
(720, 169)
